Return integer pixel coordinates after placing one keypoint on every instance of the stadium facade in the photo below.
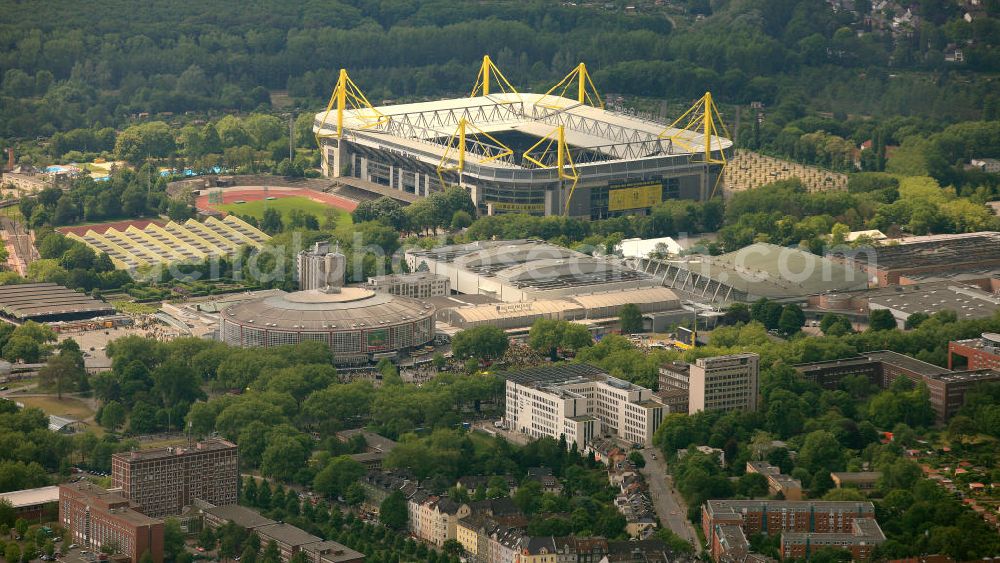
(540, 154)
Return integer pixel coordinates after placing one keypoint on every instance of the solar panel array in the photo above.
(191, 241)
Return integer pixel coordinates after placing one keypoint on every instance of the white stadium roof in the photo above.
(422, 125)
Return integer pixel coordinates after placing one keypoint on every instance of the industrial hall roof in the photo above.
(36, 300)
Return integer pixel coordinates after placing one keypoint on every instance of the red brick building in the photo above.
(978, 353)
(804, 526)
(864, 536)
(163, 481)
(96, 518)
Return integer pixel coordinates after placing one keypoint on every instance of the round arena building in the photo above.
(357, 324)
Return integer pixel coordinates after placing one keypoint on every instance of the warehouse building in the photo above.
(32, 504)
(48, 302)
(525, 270)
(967, 301)
(594, 310)
(757, 271)
(968, 257)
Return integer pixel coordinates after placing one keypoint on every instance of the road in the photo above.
(668, 503)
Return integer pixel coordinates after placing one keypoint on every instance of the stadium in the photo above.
(524, 152)
(357, 324)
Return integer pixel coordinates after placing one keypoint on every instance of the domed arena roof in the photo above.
(317, 309)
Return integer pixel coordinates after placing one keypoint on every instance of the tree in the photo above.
(821, 451)
(355, 494)
(835, 325)
(334, 479)
(881, 319)
(145, 140)
(393, 511)
(61, 372)
(637, 459)
(271, 553)
(752, 485)
(482, 342)
(630, 318)
(206, 538)
(792, 319)
(271, 222)
(915, 320)
(112, 415)
(452, 547)
(173, 539)
(7, 514)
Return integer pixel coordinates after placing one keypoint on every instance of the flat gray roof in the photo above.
(30, 300)
(775, 272)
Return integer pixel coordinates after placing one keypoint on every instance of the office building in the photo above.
(947, 388)
(580, 402)
(163, 481)
(99, 520)
(724, 383)
(320, 267)
(419, 285)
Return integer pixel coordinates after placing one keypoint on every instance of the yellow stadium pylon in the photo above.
(489, 71)
(564, 160)
(346, 95)
(702, 118)
(453, 159)
(586, 92)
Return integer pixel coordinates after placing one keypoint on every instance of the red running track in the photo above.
(231, 195)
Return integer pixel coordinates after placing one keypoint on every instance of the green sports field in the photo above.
(285, 205)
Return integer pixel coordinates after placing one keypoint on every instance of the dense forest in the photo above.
(80, 68)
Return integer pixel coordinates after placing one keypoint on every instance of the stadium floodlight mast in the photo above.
(347, 95)
(701, 118)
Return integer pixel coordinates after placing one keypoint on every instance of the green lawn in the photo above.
(285, 205)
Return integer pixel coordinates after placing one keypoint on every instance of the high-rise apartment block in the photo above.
(724, 383)
(163, 481)
(319, 267)
(580, 402)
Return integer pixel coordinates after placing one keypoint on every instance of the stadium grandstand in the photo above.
(189, 242)
(558, 153)
(48, 302)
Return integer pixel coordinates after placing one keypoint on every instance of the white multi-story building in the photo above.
(724, 383)
(580, 402)
(419, 285)
(318, 267)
